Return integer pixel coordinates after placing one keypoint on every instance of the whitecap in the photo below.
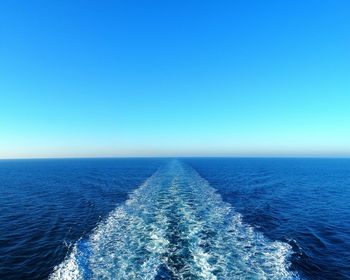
(176, 226)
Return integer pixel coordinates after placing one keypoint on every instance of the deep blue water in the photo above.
(192, 218)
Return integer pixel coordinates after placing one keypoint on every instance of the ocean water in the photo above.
(191, 218)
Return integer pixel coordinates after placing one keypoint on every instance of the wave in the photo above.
(176, 226)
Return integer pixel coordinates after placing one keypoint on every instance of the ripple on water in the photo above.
(175, 226)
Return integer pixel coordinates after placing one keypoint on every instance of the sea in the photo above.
(175, 218)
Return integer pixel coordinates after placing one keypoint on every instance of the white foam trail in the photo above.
(175, 226)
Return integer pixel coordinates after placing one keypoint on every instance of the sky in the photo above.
(174, 78)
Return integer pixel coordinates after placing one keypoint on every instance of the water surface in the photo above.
(175, 219)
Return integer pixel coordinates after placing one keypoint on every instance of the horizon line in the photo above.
(320, 156)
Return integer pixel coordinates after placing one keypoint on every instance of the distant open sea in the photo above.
(187, 218)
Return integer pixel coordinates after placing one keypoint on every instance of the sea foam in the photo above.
(176, 226)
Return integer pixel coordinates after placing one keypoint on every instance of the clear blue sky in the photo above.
(118, 78)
